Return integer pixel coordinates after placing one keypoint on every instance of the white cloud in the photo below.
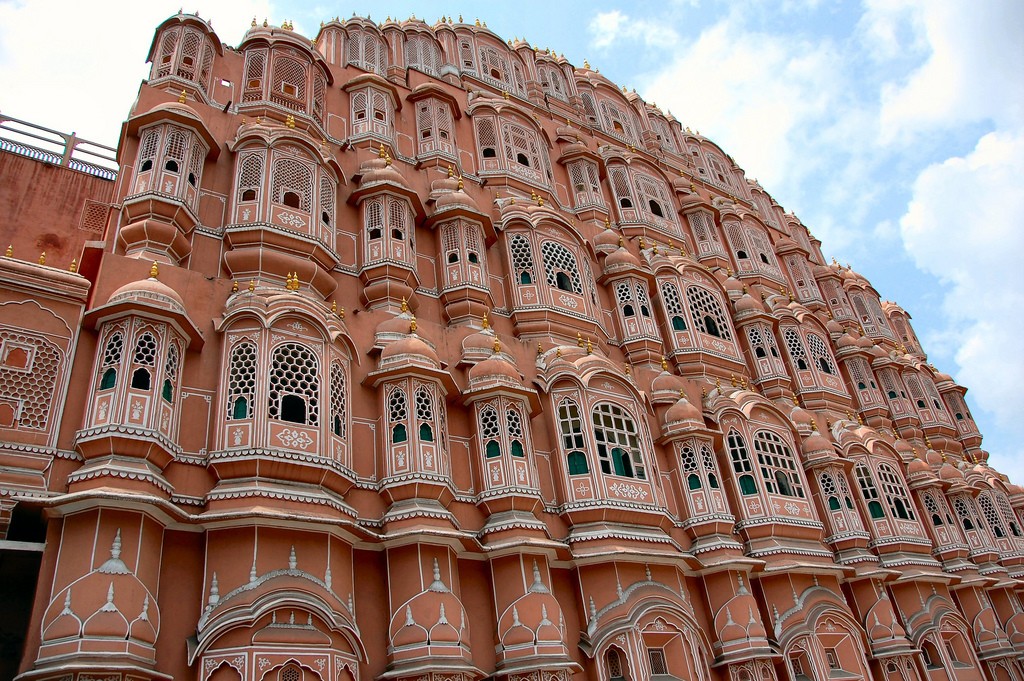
(608, 28)
(963, 226)
(92, 67)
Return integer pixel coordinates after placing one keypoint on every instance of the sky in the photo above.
(893, 128)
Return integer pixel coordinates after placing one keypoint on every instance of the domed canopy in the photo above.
(154, 298)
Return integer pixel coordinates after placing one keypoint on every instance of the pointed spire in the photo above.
(437, 584)
(73, 267)
(109, 605)
(292, 561)
(214, 591)
(252, 572)
(154, 270)
(538, 586)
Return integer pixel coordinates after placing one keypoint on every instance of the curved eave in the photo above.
(181, 116)
(181, 322)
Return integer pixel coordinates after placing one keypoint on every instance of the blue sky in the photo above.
(893, 128)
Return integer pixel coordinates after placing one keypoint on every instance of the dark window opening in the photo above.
(109, 379)
(426, 433)
(399, 434)
(833, 504)
(168, 391)
(627, 310)
(656, 208)
(375, 233)
(291, 199)
(774, 354)
(747, 485)
(823, 365)
(644, 311)
(293, 409)
(678, 323)
(622, 463)
(336, 425)
(936, 520)
(522, 159)
(712, 481)
(397, 235)
(517, 449)
(764, 259)
(147, 165)
(712, 326)
(453, 258)
(742, 255)
(493, 450)
(901, 509)
(489, 152)
(563, 282)
(171, 166)
(801, 365)
(782, 480)
(759, 352)
(240, 409)
(892, 394)
(192, 179)
(495, 73)
(693, 481)
(249, 195)
(968, 525)
(618, 127)
(875, 509)
(577, 463)
(325, 218)
(525, 278)
(861, 386)
(625, 203)
(473, 257)
(140, 379)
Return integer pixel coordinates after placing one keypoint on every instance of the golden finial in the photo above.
(42, 258)
(183, 96)
(533, 195)
(796, 400)
(512, 201)
(830, 315)
(73, 267)
(290, 121)
(381, 153)
(655, 249)
(814, 425)
(253, 24)
(341, 312)
(10, 251)
(477, 22)
(579, 339)
(412, 325)
(334, 306)
(732, 379)
(154, 270)
(828, 423)
(718, 383)
(607, 223)
(849, 415)
(265, 22)
(540, 350)
(621, 241)
(860, 419)
(405, 305)
(586, 64)
(461, 185)
(703, 392)
(484, 323)
(460, 18)
(252, 285)
(505, 94)
(664, 363)
(590, 346)
(234, 286)
(497, 346)
(387, 160)
(540, 201)
(642, 243)
(743, 382)
(451, 173)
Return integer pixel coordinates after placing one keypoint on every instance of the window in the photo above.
(618, 121)
(869, 490)
(656, 656)
(988, 510)
(562, 269)
(964, 512)
(502, 70)
(614, 665)
(288, 83)
(434, 127)
(386, 220)
(372, 113)
(241, 381)
(822, 357)
(170, 374)
(708, 315)
(144, 356)
(552, 83)
(517, 150)
(398, 411)
(184, 53)
(462, 253)
(1008, 515)
(522, 259)
(663, 131)
(795, 346)
(570, 425)
(586, 184)
(111, 361)
(778, 467)
(422, 53)
(425, 413)
(741, 463)
(673, 305)
(367, 52)
(642, 197)
(936, 509)
(706, 233)
(338, 420)
(895, 492)
(255, 72)
(292, 184)
(294, 385)
(618, 444)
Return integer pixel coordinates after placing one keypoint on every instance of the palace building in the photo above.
(407, 352)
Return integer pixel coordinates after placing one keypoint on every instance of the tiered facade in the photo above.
(413, 353)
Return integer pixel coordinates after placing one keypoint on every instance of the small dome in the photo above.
(865, 342)
(456, 199)
(816, 443)
(621, 258)
(918, 466)
(667, 382)
(832, 326)
(800, 417)
(949, 473)
(684, 410)
(942, 377)
(607, 239)
(933, 457)
(151, 291)
(747, 303)
(411, 347)
(397, 325)
(904, 449)
(846, 341)
(480, 343)
(380, 171)
(733, 286)
(495, 367)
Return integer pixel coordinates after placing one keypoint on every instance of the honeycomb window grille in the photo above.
(490, 432)
(614, 665)
(795, 346)
(552, 83)
(965, 512)
(756, 340)
(822, 357)
(777, 465)
(338, 392)
(653, 198)
(618, 443)
(617, 122)
(1009, 517)
(111, 361)
(145, 350)
(664, 133)
(486, 137)
(621, 187)
(176, 144)
(319, 96)
(624, 297)
(708, 315)
(829, 490)
(189, 57)
(255, 73)
(656, 656)
(426, 416)
(241, 381)
(869, 490)
(292, 184)
(705, 232)
(522, 149)
(367, 52)
(895, 492)
(988, 510)
(640, 293)
(938, 514)
(148, 149)
(35, 388)
(466, 59)
(862, 314)
(294, 385)
(516, 433)
(570, 425)
(916, 393)
(422, 53)
(326, 201)
(673, 305)
(164, 63)
(171, 366)
(291, 673)
(590, 109)
(561, 267)
(250, 176)
(195, 164)
(398, 414)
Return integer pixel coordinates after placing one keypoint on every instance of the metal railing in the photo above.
(57, 148)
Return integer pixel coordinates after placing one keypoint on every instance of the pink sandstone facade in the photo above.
(407, 352)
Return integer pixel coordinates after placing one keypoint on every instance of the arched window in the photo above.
(618, 444)
(619, 121)
(552, 83)
(822, 357)
(250, 177)
(563, 271)
(522, 259)
(292, 184)
(895, 492)
(517, 150)
(988, 510)
(570, 426)
(741, 463)
(294, 385)
(422, 53)
(586, 183)
(288, 82)
(937, 509)
(241, 381)
(673, 305)
(867, 487)
(707, 312)
(777, 464)
(170, 374)
(144, 356)
(290, 673)
(148, 149)
(501, 69)
(386, 221)
(490, 432)
(338, 416)
(614, 664)
(111, 361)
(1012, 522)
(425, 416)
(697, 463)
(795, 346)
(964, 512)
(373, 112)
(367, 51)
(398, 412)
(434, 127)
(184, 53)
